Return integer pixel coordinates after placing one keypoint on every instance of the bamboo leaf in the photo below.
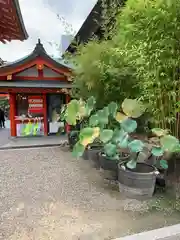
(78, 150)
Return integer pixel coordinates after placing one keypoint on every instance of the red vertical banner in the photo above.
(36, 104)
(12, 112)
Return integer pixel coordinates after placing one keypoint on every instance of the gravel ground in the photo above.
(4, 136)
(45, 194)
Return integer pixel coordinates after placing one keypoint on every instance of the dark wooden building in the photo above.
(93, 25)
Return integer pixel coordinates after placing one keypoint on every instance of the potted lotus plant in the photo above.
(103, 127)
(137, 179)
(76, 114)
(101, 119)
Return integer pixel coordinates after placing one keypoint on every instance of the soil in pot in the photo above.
(137, 183)
(110, 167)
(93, 155)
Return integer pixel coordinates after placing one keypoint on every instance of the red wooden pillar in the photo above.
(45, 115)
(12, 113)
(68, 98)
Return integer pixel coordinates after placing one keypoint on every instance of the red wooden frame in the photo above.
(13, 113)
(30, 90)
(37, 61)
(25, 78)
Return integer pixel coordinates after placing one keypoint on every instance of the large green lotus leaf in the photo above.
(73, 105)
(93, 120)
(86, 136)
(129, 125)
(136, 146)
(78, 150)
(177, 149)
(120, 137)
(124, 142)
(120, 117)
(159, 132)
(103, 118)
(169, 143)
(110, 149)
(86, 132)
(116, 135)
(90, 105)
(106, 135)
(131, 164)
(133, 108)
(114, 158)
(113, 107)
(71, 112)
(157, 151)
(164, 164)
(106, 111)
(91, 102)
(71, 119)
(82, 112)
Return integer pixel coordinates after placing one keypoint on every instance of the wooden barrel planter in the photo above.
(137, 183)
(93, 155)
(110, 167)
(85, 155)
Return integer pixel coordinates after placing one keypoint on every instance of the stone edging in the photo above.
(165, 233)
(62, 143)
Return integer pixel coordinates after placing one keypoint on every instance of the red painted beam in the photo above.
(29, 90)
(27, 78)
(12, 70)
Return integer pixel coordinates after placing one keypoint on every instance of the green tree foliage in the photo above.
(102, 71)
(4, 103)
(150, 34)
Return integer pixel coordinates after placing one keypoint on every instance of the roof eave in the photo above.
(94, 18)
(21, 22)
(39, 51)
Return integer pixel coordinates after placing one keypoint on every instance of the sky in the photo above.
(41, 21)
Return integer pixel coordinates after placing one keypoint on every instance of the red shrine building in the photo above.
(38, 86)
(11, 21)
